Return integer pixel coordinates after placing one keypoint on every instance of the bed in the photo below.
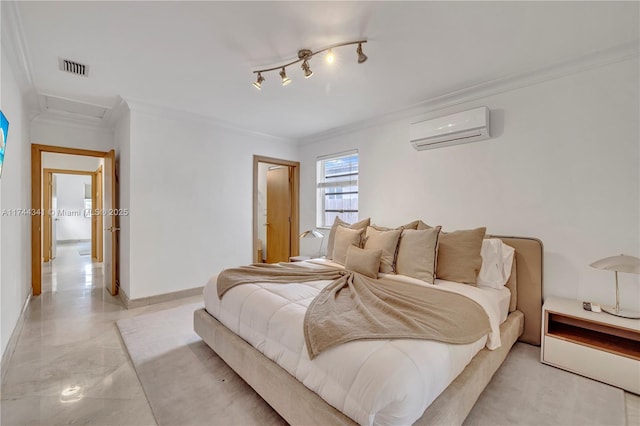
(297, 404)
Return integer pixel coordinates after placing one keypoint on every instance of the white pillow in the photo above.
(497, 259)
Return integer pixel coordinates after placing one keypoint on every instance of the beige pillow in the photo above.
(417, 252)
(459, 256)
(387, 241)
(365, 262)
(345, 237)
(421, 225)
(410, 225)
(339, 222)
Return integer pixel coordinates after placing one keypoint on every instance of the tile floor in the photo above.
(70, 365)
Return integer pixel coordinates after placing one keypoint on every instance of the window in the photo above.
(87, 200)
(337, 188)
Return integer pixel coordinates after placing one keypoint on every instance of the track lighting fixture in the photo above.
(304, 56)
(258, 83)
(307, 69)
(285, 80)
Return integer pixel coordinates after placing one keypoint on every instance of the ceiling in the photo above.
(198, 57)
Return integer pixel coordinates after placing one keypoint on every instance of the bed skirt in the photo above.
(299, 405)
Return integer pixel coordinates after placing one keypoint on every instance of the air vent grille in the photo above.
(74, 67)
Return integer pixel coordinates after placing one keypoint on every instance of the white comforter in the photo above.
(381, 382)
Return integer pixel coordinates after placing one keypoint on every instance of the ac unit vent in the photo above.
(454, 129)
(74, 67)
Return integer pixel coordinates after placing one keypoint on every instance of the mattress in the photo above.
(383, 382)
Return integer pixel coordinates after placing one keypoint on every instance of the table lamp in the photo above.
(621, 263)
(314, 233)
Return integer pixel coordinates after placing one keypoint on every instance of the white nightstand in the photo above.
(596, 345)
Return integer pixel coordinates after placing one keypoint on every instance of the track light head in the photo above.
(258, 83)
(285, 80)
(330, 57)
(307, 69)
(361, 56)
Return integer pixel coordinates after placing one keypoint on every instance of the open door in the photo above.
(278, 214)
(111, 223)
(97, 245)
(50, 198)
(289, 211)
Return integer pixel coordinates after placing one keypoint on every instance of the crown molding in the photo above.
(14, 43)
(164, 111)
(620, 53)
(116, 112)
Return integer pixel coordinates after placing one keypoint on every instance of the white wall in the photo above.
(70, 192)
(122, 145)
(15, 269)
(47, 132)
(53, 160)
(190, 199)
(563, 166)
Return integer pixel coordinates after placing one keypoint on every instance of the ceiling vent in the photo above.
(74, 67)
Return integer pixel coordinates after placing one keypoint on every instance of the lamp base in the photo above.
(621, 313)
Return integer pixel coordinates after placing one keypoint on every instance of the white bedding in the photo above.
(382, 382)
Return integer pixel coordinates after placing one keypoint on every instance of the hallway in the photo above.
(70, 365)
(71, 270)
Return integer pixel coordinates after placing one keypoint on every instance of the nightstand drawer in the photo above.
(600, 365)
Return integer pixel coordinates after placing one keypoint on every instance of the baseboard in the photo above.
(13, 340)
(158, 298)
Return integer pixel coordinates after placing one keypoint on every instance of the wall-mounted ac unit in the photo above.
(454, 129)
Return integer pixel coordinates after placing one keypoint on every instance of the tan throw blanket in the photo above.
(356, 307)
(276, 273)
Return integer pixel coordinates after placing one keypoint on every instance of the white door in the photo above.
(111, 226)
(54, 216)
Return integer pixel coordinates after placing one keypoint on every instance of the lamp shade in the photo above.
(361, 56)
(620, 263)
(312, 233)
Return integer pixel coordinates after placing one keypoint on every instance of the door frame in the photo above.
(294, 225)
(97, 203)
(47, 224)
(36, 204)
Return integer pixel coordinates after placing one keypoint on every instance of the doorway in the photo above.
(275, 209)
(103, 213)
(70, 198)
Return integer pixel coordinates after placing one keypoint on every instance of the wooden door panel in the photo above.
(278, 215)
(99, 206)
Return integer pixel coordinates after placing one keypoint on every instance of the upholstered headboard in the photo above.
(529, 281)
